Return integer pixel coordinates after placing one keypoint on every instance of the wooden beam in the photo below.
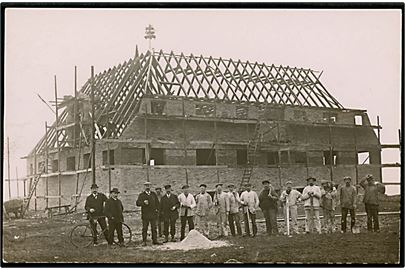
(57, 142)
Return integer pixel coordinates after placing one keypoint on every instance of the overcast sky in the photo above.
(358, 50)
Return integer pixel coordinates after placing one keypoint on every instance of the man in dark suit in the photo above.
(168, 212)
(95, 211)
(113, 210)
(149, 203)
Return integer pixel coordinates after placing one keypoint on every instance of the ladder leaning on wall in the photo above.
(34, 184)
(252, 148)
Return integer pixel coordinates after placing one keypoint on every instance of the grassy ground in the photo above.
(48, 241)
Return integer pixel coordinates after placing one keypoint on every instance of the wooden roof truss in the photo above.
(118, 90)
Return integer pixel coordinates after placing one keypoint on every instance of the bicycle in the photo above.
(81, 235)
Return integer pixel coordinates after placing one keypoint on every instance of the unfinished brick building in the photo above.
(191, 119)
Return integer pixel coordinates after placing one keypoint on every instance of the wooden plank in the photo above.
(384, 146)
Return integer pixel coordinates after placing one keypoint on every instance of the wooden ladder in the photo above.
(251, 156)
(33, 186)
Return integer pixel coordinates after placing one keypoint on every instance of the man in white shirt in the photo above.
(250, 202)
(187, 204)
(312, 201)
(290, 197)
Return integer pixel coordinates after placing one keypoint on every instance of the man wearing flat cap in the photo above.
(221, 204)
(113, 210)
(169, 204)
(187, 205)
(204, 204)
(149, 203)
(250, 202)
(371, 200)
(290, 197)
(311, 195)
(95, 209)
(268, 203)
(234, 217)
(347, 194)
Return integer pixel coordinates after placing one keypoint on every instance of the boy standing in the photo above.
(328, 193)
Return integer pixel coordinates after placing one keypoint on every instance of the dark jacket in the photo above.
(150, 210)
(113, 210)
(372, 191)
(166, 205)
(96, 204)
(265, 201)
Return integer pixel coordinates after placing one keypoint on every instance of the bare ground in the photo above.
(47, 240)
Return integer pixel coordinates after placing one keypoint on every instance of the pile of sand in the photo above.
(194, 240)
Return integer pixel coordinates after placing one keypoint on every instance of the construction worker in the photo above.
(204, 204)
(250, 202)
(268, 199)
(234, 216)
(159, 221)
(346, 195)
(371, 201)
(95, 212)
(221, 204)
(290, 197)
(311, 196)
(149, 203)
(114, 212)
(187, 204)
(169, 204)
(328, 202)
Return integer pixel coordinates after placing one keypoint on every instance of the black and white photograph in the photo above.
(229, 135)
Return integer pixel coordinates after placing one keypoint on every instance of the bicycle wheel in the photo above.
(81, 236)
(126, 233)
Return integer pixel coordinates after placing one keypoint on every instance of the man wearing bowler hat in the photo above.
(311, 195)
(95, 210)
(113, 210)
(149, 203)
(168, 213)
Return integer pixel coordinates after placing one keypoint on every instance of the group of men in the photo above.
(228, 206)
